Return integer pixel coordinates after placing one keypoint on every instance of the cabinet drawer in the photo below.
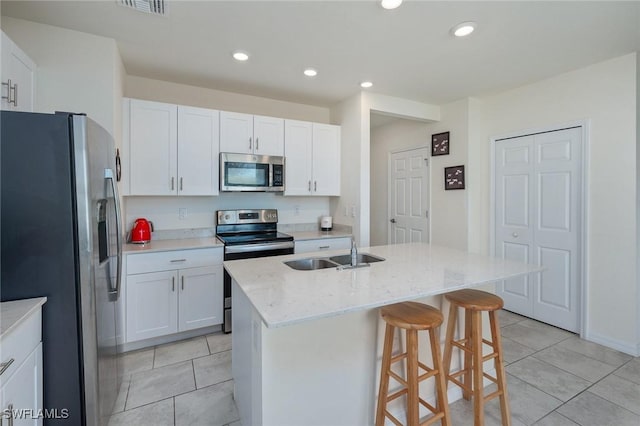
(18, 344)
(168, 260)
(323, 244)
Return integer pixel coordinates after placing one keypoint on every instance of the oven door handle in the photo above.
(258, 247)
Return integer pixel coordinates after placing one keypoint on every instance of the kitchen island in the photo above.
(305, 343)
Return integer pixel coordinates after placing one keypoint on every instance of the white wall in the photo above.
(163, 211)
(182, 94)
(449, 208)
(605, 95)
(76, 72)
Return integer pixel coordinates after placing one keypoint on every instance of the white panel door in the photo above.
(236, 132)
(201, 298)
(154, 147)
(298, 136)
(198, 149)
(409, 197)
(152, 305)
(552, 233)
(514, 217)
(326, 159)
(268, 134)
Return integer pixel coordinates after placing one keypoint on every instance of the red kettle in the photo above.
(141, 231)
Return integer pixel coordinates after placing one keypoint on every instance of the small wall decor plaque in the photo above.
(454, 177)
(440, 144)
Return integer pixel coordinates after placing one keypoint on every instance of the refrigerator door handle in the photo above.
(108, 174)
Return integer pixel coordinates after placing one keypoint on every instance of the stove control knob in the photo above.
(227, 216)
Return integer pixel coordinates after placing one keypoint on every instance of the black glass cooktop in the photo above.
(253, 238)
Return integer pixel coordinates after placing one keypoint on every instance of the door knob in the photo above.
(392, 221)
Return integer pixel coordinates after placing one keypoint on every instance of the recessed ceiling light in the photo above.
(366, 84)
(463, 29)
(390, 4)
(310, 72)
(240, 56)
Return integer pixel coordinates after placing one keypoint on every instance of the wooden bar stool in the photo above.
(474, 302)
(412, 316)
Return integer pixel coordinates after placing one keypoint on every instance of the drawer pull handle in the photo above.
(178, 260)
(5, 365)
(324, 247)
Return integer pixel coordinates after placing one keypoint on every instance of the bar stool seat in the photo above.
(470, 377)
(412, 317)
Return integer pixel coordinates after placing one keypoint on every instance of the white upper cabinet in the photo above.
(18, 78)
(173, 150)
(298, 157)
(198, 133)
(326, 159)
(249, 134)
(153, 148)
(312, 153)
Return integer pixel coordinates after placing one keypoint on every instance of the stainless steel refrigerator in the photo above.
(61, 232)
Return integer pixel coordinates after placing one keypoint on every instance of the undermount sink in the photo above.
(311, 264)
(345, 259)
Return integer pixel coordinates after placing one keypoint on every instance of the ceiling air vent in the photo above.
(155, 7)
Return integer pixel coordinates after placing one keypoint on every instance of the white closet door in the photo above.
(538, 199)
(514, 217)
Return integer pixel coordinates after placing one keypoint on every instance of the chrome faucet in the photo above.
(354, 253)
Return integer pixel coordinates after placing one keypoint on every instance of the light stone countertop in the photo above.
(168, 245)
(13, 313)
(318, 235)
(283, 296)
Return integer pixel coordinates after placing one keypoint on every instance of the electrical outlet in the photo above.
(296, 210)
(182, 213)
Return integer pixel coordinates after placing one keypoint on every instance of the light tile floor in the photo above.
(553, 379)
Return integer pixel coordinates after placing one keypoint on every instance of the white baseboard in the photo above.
(626, 347)
(161, 340)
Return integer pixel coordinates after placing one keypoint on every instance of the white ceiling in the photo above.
(407, 52)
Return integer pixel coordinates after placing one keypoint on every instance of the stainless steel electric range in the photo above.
(247, 234)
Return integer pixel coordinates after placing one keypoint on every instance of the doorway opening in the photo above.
(399, 180)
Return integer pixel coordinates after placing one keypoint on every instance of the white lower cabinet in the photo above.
(21, 372)
(161, 302)
(322, 244)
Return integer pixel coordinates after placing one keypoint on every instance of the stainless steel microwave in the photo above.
(247, 172)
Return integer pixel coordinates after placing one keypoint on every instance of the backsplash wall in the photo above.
(164, 212)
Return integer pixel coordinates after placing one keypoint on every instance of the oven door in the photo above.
(248, 251)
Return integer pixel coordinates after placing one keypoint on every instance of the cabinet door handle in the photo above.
(180, 184)
(11, 89)
(249, 143)
(172, 183)
(5, 365)
(182, 279)
(257, 144)
(178, 260)
(309, 186)
(173, 283)
(315, 186)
